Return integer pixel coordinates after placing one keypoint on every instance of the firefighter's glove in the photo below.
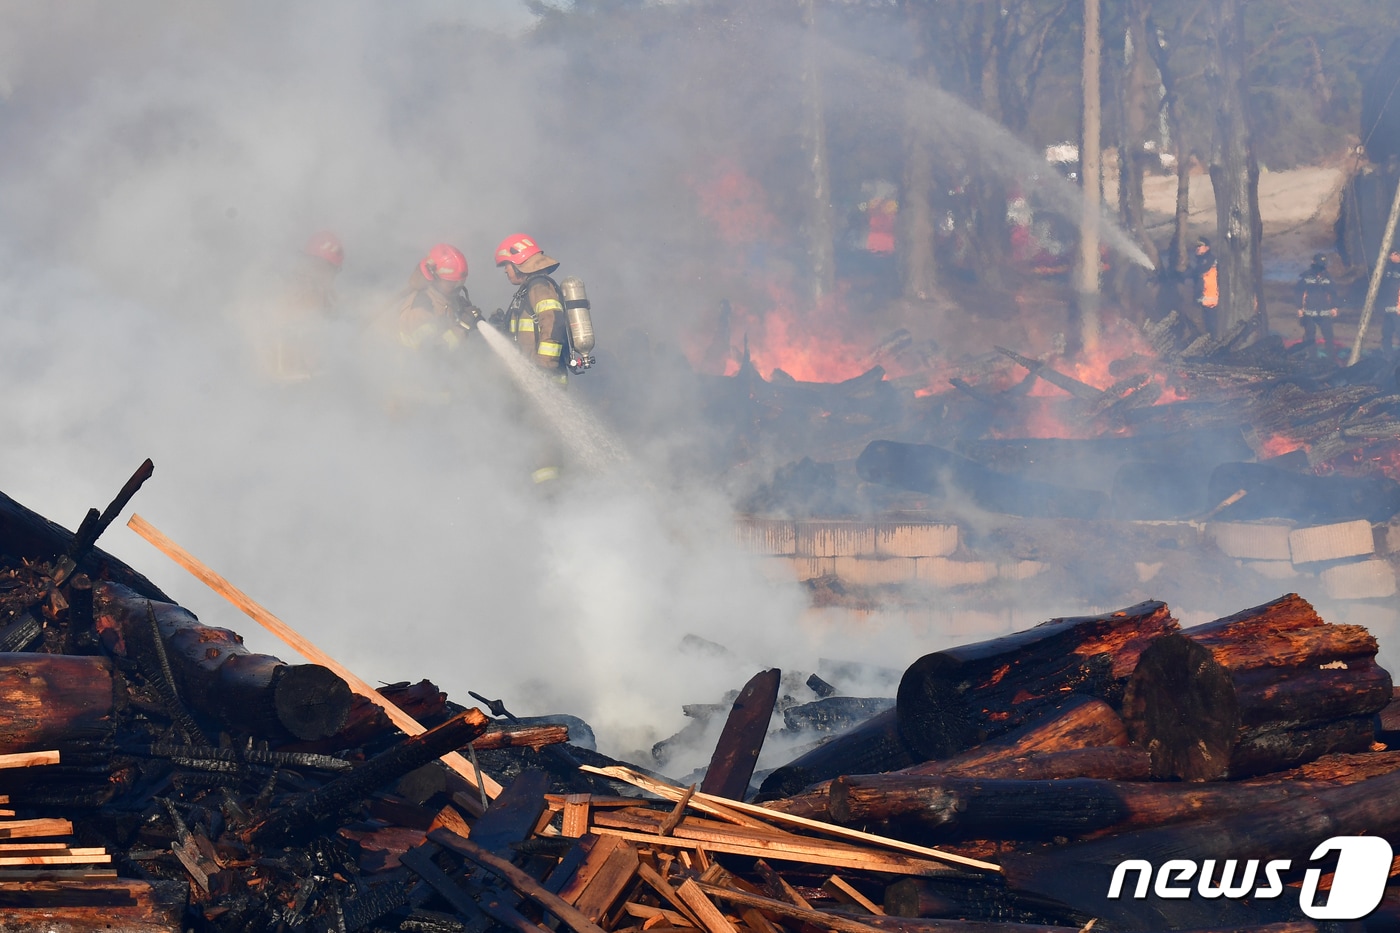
(499, 321)
(468, 317)
(1301, 314)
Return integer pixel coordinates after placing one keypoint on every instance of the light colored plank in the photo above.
(840, 889)
(716, 805)
(814, 855)
(301, 645)
(711, 917)
(8, 861)
(28, 760)
(29, 829)
(575, 819)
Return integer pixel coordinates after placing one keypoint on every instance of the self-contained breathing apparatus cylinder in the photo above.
(576, 312)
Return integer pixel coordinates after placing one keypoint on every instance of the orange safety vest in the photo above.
(1210, 288)
(880, 238)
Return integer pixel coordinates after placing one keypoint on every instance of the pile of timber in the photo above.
(1062, 751)
(175, 781)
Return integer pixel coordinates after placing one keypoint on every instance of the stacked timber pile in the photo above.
(1065, 750)
(181, 782)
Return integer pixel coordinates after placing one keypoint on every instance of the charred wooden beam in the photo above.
(345, 793)
(953, 699)
(1255, 692)
(736, 752)
(219, 677)
(874, 745)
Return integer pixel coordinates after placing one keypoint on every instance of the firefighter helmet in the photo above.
(445, 262)
(1319, 260)
(325, 245)
(515, 249)
(525, 254)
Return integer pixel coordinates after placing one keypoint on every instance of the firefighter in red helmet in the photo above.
(535, 317)
(437, 312)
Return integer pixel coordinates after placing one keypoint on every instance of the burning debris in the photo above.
(159, 777)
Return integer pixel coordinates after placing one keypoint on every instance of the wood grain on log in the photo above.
(1255, 692)
(950, 700)
(54, 701)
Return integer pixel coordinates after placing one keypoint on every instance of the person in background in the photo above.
(1206, 275)
(1390, 298)
(300, 312)
(436, 312)
(1317, 303)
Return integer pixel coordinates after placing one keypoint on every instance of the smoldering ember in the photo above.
(700, 466)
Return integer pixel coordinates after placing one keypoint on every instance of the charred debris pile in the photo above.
(159, 777)
(1189, 426)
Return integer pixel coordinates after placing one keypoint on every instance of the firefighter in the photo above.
(535, 317)
(1207, 278)
(1317, 303)
(305, 304)
(437, 312)
(1390, 292)
(536, 321)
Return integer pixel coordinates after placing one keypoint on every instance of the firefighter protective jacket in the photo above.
(429, 318)
(1390, 287)
(1315, 294)
(538, 325)
(1207, 275)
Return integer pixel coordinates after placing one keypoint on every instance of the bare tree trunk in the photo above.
(1131, 284)
(918, 265)
(1086, 271)
(821, 244)
(1234, 175)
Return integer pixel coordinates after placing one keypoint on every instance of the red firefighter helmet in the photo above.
(515, 249)
(325, 245)
(446, 262)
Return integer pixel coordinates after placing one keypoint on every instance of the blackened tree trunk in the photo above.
(1234, 174)
(820, 227)
(918, 271)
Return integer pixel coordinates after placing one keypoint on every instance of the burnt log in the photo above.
(1110, 763)
(951, 700)
(55, 701)
(1078, 723)
(874, 745)
(975, 808)
(27, 534)
(217, 676)
(1272, 492)
(330, 801)
(1255, 692)
(1079, 875)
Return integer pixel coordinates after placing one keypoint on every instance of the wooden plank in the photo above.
(668, 893)
(301, 645)
(842, 891)
(519, 880)
(778, 886)
(27, 760)
(717, 807)
(815, 917)
(669, 824)
(592, 863)
(28, 829)
(711, 917)
(647, 912)
(827, 854)
(9, 861)
(575, 819)
(570, 864)
(513, 814)
(608, 884)
(736, 752)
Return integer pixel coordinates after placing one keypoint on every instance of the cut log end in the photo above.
(312, 702)
(1181, 706)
